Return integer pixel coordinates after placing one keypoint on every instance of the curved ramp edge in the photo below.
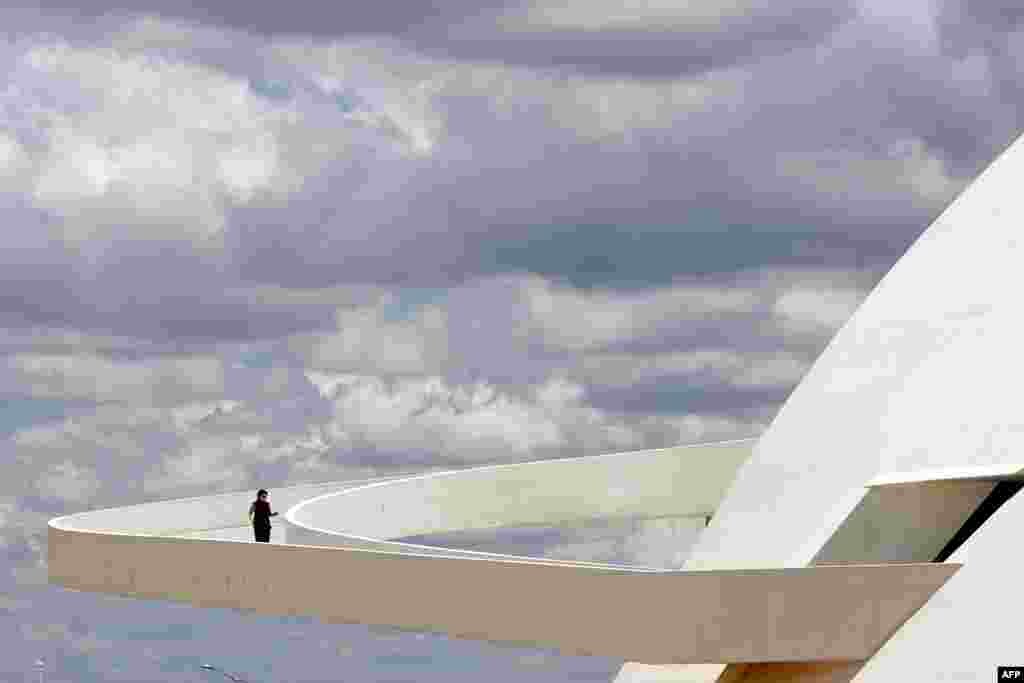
(642, 615)
(679, 482)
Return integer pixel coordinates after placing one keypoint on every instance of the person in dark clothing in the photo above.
(259, 515)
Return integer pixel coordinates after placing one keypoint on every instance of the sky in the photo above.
(254, 244)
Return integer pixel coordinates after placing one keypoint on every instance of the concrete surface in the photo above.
(825, 613)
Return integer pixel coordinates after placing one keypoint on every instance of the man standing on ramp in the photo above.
(259, 515)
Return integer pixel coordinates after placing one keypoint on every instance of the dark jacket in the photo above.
(260, 510)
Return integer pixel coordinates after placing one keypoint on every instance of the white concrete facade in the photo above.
(922, 379)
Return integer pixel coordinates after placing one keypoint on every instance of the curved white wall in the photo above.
(671, 482)
(926, 374)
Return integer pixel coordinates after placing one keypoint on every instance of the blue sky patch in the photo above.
(270, 89)
(347, 101)
(22, 412)
(636, 257)
(256, 359)
(408, 301)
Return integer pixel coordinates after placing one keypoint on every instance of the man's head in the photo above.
(261, 494)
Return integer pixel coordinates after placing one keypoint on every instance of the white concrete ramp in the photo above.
(827, 613)
(648, 615)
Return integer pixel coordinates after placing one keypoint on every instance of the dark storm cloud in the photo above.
(990, 34)
(796, 161)
(682, 395)
(500, 30)
(308, 17)
(846, 112)
(188, 317)
(157, 290)
(593, 213)
(703, 188)
(656, 50)
(529, 176)
(983, 23)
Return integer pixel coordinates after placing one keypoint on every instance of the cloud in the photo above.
(367, 425)
(311, 19)
(118, 454)
(128, 168)
(427, 414)
(12, 158)
(738, 370)
(696, 345)
(610, 36)
(697, 428)
(23, 546)
(172, 144)
(368, 340)
(619, 14)
(824, 309)
(96, 378)
(369, 166)
(432, 420)
(842, 184)
(978, 25)
(124, 453)
(98, 452)
(68, 482)
(65, 341)
(497, 369)
(642, 39)
(7, 508)
(578, 320)
(856, 175)
(204, 463)
(428, 419)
